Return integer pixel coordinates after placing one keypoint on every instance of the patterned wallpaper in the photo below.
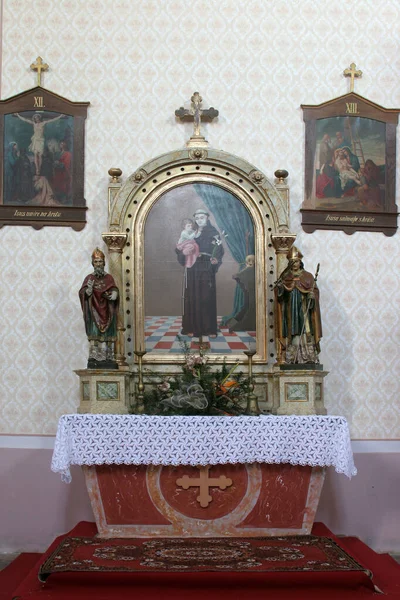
(136, 62)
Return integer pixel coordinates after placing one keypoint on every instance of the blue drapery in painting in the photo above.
(232, 218)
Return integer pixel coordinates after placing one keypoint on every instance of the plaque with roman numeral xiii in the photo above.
(350, 164)
(42, 158)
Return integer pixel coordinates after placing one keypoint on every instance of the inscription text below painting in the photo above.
(350, 170)
(42, 153)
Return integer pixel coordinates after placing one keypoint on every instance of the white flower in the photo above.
(164, 386)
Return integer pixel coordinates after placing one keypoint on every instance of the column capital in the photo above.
(283, 242)
(115, 241)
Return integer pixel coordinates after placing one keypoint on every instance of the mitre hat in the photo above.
(201, 211)
(97, 253)
(294, 253)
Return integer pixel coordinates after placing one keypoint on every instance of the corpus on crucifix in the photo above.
(352, 73)
(198, 115)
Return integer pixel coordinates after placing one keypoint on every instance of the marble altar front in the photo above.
(150, 501)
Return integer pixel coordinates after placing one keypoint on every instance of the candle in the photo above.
(253, 346)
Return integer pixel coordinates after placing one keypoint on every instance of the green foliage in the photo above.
(198, 390)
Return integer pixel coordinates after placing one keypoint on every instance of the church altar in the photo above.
(151, 476)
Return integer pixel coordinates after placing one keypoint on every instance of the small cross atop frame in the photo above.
(198, 115)
(204, 482)
(39, 66)
(352, 72)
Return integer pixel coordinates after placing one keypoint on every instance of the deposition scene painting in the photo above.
(349, 170)
(199, 272)
(38, 153)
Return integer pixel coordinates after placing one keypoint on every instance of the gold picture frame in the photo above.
(170, 176)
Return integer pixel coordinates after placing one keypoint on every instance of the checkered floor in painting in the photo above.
(161, 335)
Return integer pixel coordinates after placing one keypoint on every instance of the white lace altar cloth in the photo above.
(151, 440)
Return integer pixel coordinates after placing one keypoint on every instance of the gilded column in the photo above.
(114, 186)
(282, 243)
(282, 187)
(115, 244)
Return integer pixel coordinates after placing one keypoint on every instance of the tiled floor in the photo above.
(161, 336)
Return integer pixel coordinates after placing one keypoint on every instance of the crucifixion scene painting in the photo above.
(199, 271)
(349, 171)
(38, 159)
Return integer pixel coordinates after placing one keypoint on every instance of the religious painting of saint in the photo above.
(43, 160)
(199, 271)
(350, 166)
(349, 170)
(38, 161)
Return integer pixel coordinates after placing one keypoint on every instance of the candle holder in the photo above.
(252, 408)
(140, 385)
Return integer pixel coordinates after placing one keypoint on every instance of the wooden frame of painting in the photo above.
(350, 166)
(181, 229)
(42, 153)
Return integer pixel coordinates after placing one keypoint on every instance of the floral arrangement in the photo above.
(198, 390)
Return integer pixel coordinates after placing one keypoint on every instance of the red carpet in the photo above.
(221, 586)
(15, 573)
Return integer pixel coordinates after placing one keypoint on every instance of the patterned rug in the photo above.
(295, 553)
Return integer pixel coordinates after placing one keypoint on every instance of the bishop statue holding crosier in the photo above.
(99, 298)
(299, 327)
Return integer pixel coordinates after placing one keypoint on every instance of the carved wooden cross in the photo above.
(196, 114)
(204, 482)
(39, 66)
(351, 72)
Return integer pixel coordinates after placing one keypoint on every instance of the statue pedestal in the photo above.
(104, 392)
(299, 390)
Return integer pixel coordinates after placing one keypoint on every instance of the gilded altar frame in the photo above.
(130, 204)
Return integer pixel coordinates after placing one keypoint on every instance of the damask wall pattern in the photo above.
(136, 62)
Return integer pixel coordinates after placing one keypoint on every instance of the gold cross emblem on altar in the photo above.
(204, 482)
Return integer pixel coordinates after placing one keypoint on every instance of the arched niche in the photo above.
(136, 211)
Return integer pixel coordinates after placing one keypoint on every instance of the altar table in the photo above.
(151, 476)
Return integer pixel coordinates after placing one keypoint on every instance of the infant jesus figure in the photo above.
(187, 243)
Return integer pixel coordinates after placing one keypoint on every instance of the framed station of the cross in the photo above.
(350, 170)
(42, 157)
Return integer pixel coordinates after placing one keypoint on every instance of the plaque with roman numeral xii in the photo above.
(42, 158)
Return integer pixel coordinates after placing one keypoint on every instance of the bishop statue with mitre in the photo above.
(99, 300)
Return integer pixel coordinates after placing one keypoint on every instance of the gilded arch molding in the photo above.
(129, 207)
